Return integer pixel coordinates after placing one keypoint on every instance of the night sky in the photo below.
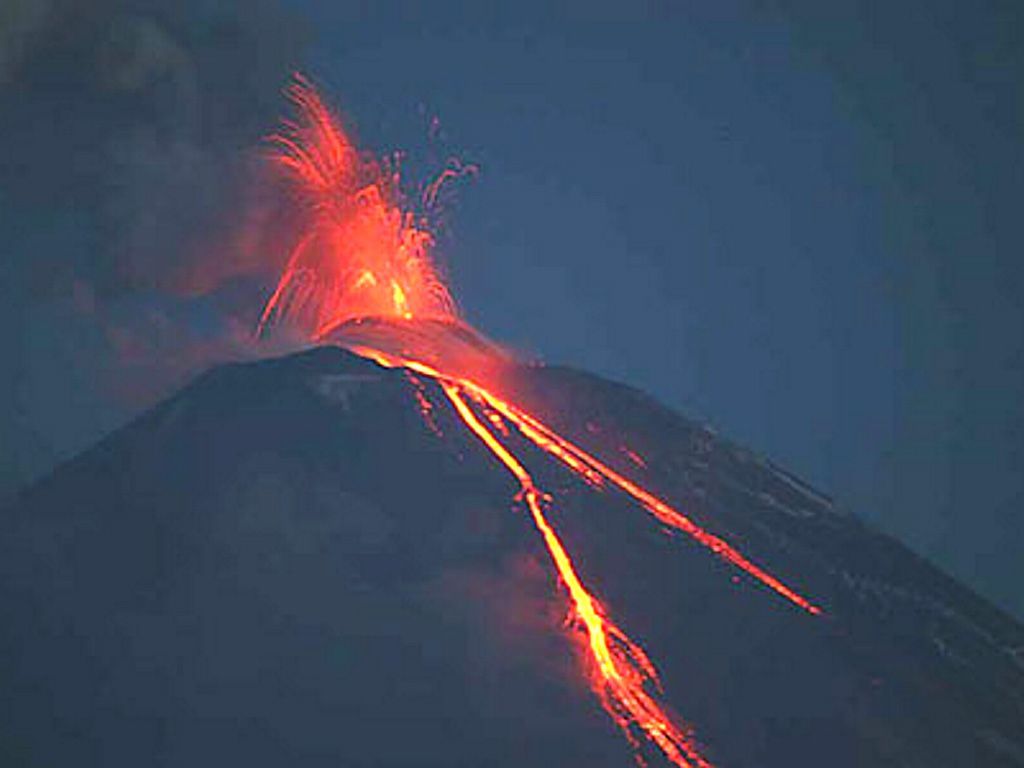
(796, 221)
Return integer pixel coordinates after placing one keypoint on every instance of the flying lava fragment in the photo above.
(365, 255)
(361, 254)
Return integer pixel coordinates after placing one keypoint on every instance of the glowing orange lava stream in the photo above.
(622, 668)
(363, 255)
(595, 471)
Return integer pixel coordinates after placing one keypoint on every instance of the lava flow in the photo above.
(363, 258)
(620, 685)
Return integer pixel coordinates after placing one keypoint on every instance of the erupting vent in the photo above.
(362, 252)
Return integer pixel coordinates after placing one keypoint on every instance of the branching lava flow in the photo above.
(361, 256)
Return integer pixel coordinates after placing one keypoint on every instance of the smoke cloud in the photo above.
(129, 216)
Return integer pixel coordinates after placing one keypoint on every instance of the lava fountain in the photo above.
(361, 253)
(361, 275)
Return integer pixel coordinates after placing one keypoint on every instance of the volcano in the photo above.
(311, 560)
(406, 546)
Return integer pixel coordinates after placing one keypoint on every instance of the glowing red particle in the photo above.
(362, 253)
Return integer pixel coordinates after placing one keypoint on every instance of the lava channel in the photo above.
(621, 668)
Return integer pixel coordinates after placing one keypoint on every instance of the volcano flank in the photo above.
(318, 560)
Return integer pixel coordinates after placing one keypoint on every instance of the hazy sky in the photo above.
(797, 221)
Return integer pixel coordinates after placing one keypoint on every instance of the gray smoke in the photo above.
(128, 211)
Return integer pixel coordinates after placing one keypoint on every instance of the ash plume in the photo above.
(130, 213)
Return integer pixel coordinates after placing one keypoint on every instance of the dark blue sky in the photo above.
(797, 221)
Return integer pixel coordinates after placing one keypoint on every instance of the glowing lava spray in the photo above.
(364, 254)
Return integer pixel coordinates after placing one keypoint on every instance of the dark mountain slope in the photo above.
(286, 564)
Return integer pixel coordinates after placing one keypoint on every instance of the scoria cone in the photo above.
(310, 561)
